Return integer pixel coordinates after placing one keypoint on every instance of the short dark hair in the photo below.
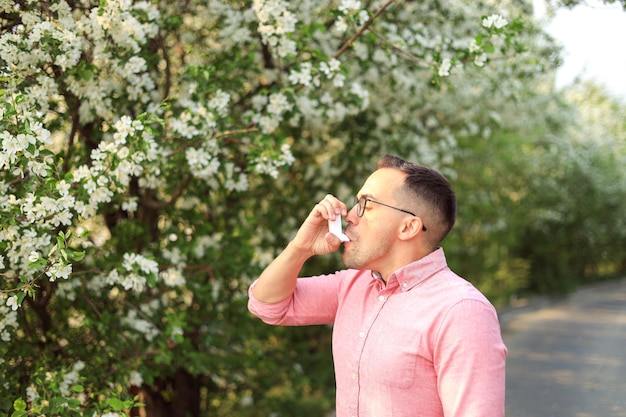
(431, 190)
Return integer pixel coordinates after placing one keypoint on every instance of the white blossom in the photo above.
(59, 270)
(172, 277)
(130, 205)
(495, 21)
(246, 401)
(303, 76)
(362, 17)
(474, 47)
(70, 378)
(176, 331)
(12, 302)
(444, 68)
(31, 394)
(278, 104)
(124, 128)
(340, 25)
(480, 60)
(349, 5)
(135, 379)
(235, 179)
(265, 165)
(146, 265)
(358, 90)
(8, 318)
(275, 23)
(219, 103)
(330, 68)
(144, 327)
(202, 163)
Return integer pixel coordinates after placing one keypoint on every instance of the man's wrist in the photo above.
(299, 252)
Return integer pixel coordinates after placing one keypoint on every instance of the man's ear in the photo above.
(411, 228)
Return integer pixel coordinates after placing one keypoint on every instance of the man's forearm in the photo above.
(278, 281)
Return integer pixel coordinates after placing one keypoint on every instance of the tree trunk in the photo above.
(176, 396)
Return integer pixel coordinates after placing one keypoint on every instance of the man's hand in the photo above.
(313, 237)
(278, 281)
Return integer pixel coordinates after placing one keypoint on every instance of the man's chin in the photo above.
(348, 261)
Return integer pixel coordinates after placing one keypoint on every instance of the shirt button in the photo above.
(404, 285)
(362, 334)
(381, 298)
(354, 377)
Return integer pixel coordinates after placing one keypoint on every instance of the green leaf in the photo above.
(27, 129)
(39, 263)
(20, 297)
(73, 403)
(116, 404)
(151, 279)
(19, 404)
(76, 255)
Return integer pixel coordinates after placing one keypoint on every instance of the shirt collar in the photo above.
(413, 274)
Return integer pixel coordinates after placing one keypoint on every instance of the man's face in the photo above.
(372, 236)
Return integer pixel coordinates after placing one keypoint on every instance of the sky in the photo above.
(593, 37)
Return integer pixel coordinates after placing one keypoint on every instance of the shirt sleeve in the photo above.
(314, 301)
(469, 359)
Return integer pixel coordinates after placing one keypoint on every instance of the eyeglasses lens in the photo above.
(360, 206)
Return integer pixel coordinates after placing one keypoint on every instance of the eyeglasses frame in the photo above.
(361, 211)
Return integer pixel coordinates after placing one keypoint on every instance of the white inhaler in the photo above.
(334, 226)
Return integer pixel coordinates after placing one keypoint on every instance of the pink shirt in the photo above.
(427, 344)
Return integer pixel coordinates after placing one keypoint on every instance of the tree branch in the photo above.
(358, 34)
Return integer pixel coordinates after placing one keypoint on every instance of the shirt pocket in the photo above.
(392, 356)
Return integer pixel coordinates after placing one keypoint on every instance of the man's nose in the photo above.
(351, 217)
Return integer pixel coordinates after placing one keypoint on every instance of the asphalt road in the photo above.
(567, 358)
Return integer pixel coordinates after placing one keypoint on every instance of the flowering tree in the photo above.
(139, 142)
(574, 231)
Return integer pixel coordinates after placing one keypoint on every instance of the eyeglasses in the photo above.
(361, 202)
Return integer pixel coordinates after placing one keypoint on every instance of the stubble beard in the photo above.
(359, 257)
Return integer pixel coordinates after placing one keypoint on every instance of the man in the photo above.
(410, 337)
